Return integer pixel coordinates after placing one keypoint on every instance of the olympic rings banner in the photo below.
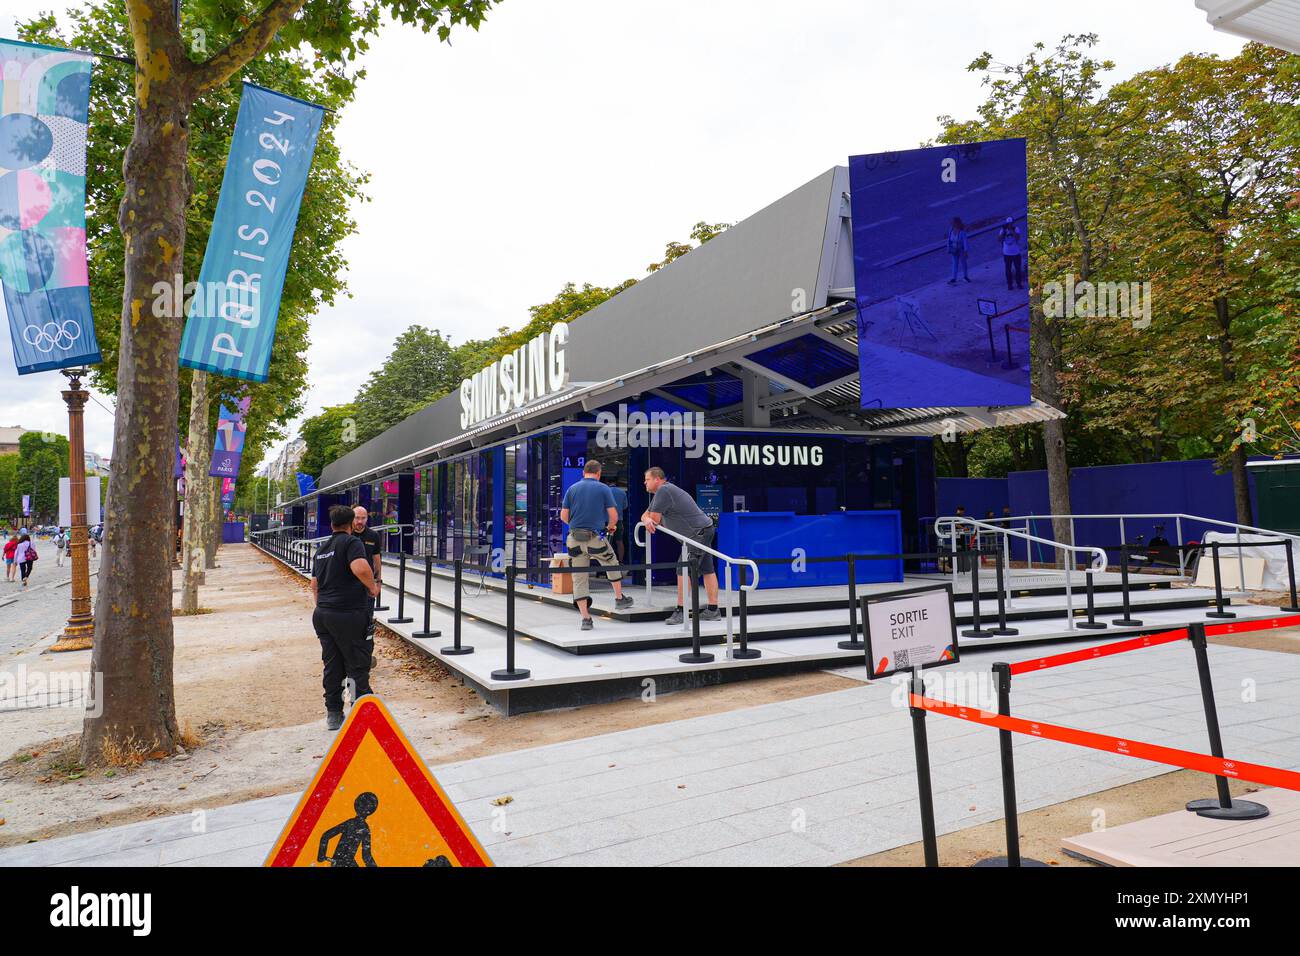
(231, 324)
(44, 108)
(229, 448)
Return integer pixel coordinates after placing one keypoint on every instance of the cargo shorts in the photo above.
(584, 547)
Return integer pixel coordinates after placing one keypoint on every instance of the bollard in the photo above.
(401, 592)
(456, 646)
(853, 643)
(695, 656)
(976, 630)
(925, 795)
(1223, 807)
(1290, 576)
(1002, 630)
(379, 606)
(744, 652)
(1002, 675)
(510, 672)
(1127, 620)
(1092, 624)
(428, 599)
(1218, 585)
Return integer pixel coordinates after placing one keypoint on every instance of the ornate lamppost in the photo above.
(79, 632)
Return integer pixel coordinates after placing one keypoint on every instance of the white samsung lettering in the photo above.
(771, 455)
(535, 369)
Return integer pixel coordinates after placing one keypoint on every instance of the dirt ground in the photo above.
(247, 679)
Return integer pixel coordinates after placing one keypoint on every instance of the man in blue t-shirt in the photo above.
(589, 511)
(620, 532)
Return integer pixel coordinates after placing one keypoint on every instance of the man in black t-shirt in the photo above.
(343, 585)
(370, 539)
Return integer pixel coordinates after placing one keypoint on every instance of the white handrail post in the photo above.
(727, 565)
(649, 587)
(1182, 558)
(1241, 563)
(1069, 591)
(1122, 540)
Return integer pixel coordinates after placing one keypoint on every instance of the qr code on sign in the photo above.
(901, 660)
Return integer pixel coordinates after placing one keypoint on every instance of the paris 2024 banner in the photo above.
(44, 107)
(941, 272)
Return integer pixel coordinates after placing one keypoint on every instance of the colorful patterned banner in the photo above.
(232, 317)
(44, 105)
(227, 494)
(230, 441)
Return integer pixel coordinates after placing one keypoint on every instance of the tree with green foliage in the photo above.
(176, 76)
(329, 436)
(421, 366)
(11, 502)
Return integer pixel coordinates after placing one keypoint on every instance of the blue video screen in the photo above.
(941, 275)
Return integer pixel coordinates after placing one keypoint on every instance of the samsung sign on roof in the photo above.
(532, 371)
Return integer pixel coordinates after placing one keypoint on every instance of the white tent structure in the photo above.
(1275, 22)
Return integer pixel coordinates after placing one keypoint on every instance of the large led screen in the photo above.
(941, 273)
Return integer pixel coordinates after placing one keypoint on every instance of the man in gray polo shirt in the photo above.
(677, 511)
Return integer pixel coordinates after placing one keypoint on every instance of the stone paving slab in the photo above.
(812, 781)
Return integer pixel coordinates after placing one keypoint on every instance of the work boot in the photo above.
(711, 614)
(586, 624)
(676, 617)
(624, 602)
(333, 719)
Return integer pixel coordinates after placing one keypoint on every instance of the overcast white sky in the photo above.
(570, 139)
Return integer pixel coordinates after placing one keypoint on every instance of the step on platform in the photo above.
(793, 629)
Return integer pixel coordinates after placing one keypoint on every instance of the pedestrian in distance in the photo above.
(674, 509)
(11, 565)
(620, 532)
(591, 514)
(1009, 237)
(61, 544)
(342, 578)
(25, 555)
(958, 250)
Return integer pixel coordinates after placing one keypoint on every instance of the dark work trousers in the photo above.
(1011, 265)
(345, 650)
(370, 623)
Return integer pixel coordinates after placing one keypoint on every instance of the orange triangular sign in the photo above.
(374, 803)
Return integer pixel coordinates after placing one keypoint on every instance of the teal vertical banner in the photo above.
(232, 315)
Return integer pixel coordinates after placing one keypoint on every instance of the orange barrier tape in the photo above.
(1150, 640)
(1219, 766)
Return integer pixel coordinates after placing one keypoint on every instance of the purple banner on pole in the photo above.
(229, 448)
(227, 493)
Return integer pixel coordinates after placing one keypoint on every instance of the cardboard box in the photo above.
(561, 583)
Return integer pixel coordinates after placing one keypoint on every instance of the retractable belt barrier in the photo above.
(1222, 807)
(1219, 766)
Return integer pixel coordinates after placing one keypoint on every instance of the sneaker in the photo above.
(677, 617)
(333, 719)
(711, 614)
(624, 601)
(586, 624)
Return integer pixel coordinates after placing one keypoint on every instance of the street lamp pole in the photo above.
(79, 632)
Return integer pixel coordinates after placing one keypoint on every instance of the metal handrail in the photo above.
(644, 541)
(1098, 562)
(1178, 523)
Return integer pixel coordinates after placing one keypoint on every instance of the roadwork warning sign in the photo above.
(374, 803)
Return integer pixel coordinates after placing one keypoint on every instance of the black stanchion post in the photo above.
(1223, 807)
(976, 630)
(428, 599)
(1002, 676)
(853, 643)
(924, 794)
(510, 672)
(1290, 576)
(744, 652)
(1127, 620)
(1092, 624)
(379, 605)
(999, 563)
(695, 656)
(401, 592)
(1218, 611)
(456, 646)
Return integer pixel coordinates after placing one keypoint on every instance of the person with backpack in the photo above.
(25, 554)
(61, 543)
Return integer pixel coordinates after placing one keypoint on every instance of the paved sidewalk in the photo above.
(812, 781)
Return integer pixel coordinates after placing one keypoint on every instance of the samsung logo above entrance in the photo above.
(782, 455)
(533, 370)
